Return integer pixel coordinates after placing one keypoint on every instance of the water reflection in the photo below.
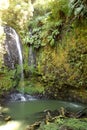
(11, 125)
(28, 110)
(25, 113)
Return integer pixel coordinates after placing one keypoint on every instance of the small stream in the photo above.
(27, 112)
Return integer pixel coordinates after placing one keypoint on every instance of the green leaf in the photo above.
(52, 42)
(78, 10)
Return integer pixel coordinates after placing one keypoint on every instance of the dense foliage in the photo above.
(17, 15)
(58, 34)
(67, 124)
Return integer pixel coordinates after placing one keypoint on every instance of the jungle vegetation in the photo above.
(59, 38)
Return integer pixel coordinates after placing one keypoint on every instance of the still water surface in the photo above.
(26, 113)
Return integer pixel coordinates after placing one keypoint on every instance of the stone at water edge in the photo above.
(7, 118)
(34, 126)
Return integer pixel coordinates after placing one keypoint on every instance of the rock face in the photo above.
(11, 58)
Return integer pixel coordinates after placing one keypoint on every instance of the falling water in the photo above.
(14, 52)
(16, 37)
(12, 33)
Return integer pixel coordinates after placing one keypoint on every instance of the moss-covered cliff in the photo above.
(58, 37)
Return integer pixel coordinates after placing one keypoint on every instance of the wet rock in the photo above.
(7, 118)
(62, 111)
(11, 58)
(34, 126)
(48, 118)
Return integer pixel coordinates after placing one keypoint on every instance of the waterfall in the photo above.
(13, 57)
(16, 37)
(13, 47)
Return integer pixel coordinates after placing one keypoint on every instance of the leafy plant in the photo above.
(17, 15)
(78, 8)
(7, 79)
